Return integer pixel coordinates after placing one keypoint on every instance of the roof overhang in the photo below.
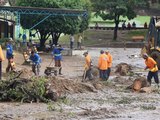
(42, 11)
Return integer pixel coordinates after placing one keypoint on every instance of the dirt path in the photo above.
(112, 102)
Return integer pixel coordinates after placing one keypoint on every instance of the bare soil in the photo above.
(91, 99)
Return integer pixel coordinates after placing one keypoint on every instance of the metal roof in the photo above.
(42, 11)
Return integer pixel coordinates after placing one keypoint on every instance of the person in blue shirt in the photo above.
(57, 56)
(9, 54)
(36, 60)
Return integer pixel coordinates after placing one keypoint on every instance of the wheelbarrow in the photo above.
(50, 70)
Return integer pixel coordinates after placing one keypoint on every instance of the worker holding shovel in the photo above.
(88, 64)
(57, 56)
(153, 69)
(9, 55)
(109, 63)
(36, 60)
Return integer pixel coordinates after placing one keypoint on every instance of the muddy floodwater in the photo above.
(112, 102)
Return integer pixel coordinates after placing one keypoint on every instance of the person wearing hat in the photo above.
(153, 69)
(57, 56)
(9, 54)
(103, 65)
(1, 59)
(87, 66)
(109, 63)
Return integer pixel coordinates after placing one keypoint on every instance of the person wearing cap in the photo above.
(109, 63)
(153, 69)
(9, 54)
(103, 65)
(57, 56)
(36, 60)
(87, 66)
(1, 59)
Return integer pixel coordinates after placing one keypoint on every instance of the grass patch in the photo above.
(137, 33)
(140, 20)
(97, 37)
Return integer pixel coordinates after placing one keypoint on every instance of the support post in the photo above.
(18, 25)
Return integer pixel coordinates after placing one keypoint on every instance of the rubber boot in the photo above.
(60, 69)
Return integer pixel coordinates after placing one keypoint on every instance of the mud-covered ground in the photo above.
(112, 101)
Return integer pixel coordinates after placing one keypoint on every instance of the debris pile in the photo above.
(140, 85)
(41, 89)
(26, 90)
(123, 69)
(63, 86)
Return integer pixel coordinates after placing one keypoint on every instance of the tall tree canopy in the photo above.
(55, 25)
(113, 9)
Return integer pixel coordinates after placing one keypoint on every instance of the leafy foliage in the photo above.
(55, 25)
(24, 90)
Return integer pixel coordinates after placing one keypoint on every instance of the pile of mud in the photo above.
(25, 73)
(63, 86)
(123, 69)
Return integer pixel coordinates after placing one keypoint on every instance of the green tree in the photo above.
(113, 9)
(55, 25)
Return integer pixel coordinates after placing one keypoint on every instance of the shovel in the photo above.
(84, 75)
(50, 63)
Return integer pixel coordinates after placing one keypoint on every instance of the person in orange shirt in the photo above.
(109, 63)
(153, 69)
(103, 65)
(1, 59)
(88, 66)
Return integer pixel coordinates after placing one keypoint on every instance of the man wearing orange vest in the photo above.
(88, 66)
(153, 69)
(109, 63)
(1, 59)
(103, 65)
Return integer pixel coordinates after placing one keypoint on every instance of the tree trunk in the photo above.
(44, 35)
(55, 37)
(115, 31)
(116, 20)
(42, 44)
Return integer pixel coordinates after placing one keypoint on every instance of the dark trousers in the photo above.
(89, 74)
(0, 70)
(78, 45)
(58, 64)
(36, 69)
(9, 66)
(71, 45)
(103, 74)
(108, 73)
(153, 74)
